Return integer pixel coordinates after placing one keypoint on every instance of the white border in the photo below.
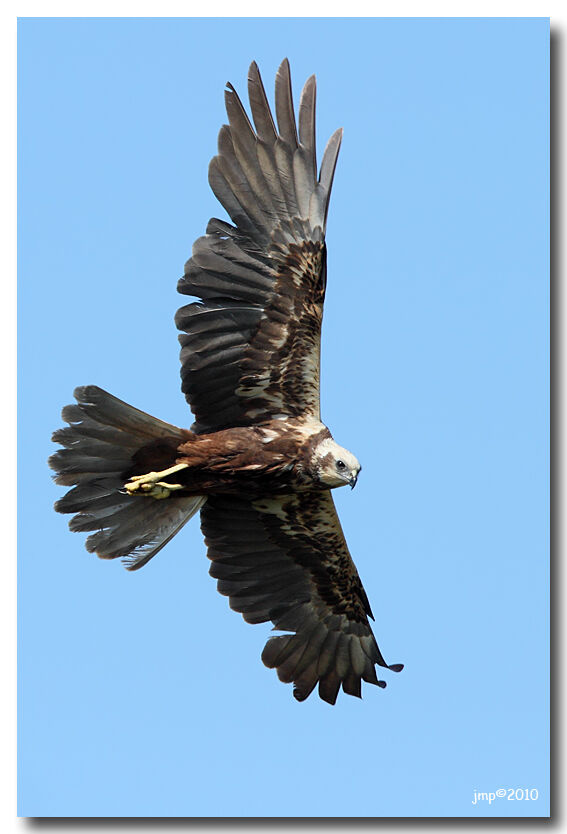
(173, 8)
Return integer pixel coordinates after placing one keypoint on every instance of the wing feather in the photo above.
(285, 559)
(284, 105)
(263, 121)
(329, 164)
(307, 122)
(264, 276)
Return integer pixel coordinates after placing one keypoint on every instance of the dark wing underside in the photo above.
(285, 559)
(250, 347)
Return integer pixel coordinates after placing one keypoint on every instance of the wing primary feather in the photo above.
(351, 685)
(263, 121)
(226, 197)
(307, 124)
(249, 194)
(244, 150)
(328, 165)
(329, 687)
(284, 105)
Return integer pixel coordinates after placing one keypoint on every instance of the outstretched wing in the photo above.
(250, 347)
(285, 559)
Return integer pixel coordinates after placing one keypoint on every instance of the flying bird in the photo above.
(257, 463)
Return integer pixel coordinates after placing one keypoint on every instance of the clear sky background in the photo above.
(143, 694)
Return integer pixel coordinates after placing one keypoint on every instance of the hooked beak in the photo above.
(354, 478)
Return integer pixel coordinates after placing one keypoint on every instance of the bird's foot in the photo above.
(152, 485)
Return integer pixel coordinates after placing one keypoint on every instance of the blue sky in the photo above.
(143, 694)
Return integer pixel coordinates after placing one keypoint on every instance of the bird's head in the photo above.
(333, 465)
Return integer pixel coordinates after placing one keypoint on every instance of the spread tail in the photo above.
(103, 443)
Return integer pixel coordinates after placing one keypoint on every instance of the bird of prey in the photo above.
(257, 462)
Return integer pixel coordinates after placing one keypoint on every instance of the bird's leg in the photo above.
(152, 483)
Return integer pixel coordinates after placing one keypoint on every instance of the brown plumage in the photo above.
(257, 462)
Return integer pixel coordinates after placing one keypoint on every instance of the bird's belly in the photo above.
(253, 479)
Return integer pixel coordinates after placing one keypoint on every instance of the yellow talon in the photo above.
(151, 484)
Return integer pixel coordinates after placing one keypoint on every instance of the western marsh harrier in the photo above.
(258, 462)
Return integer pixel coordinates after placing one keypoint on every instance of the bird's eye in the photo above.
(341, 464)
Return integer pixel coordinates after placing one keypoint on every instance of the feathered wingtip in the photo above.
(265, 174)
(330, 659)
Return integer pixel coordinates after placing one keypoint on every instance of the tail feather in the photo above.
(107, 410)
(102, 438)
